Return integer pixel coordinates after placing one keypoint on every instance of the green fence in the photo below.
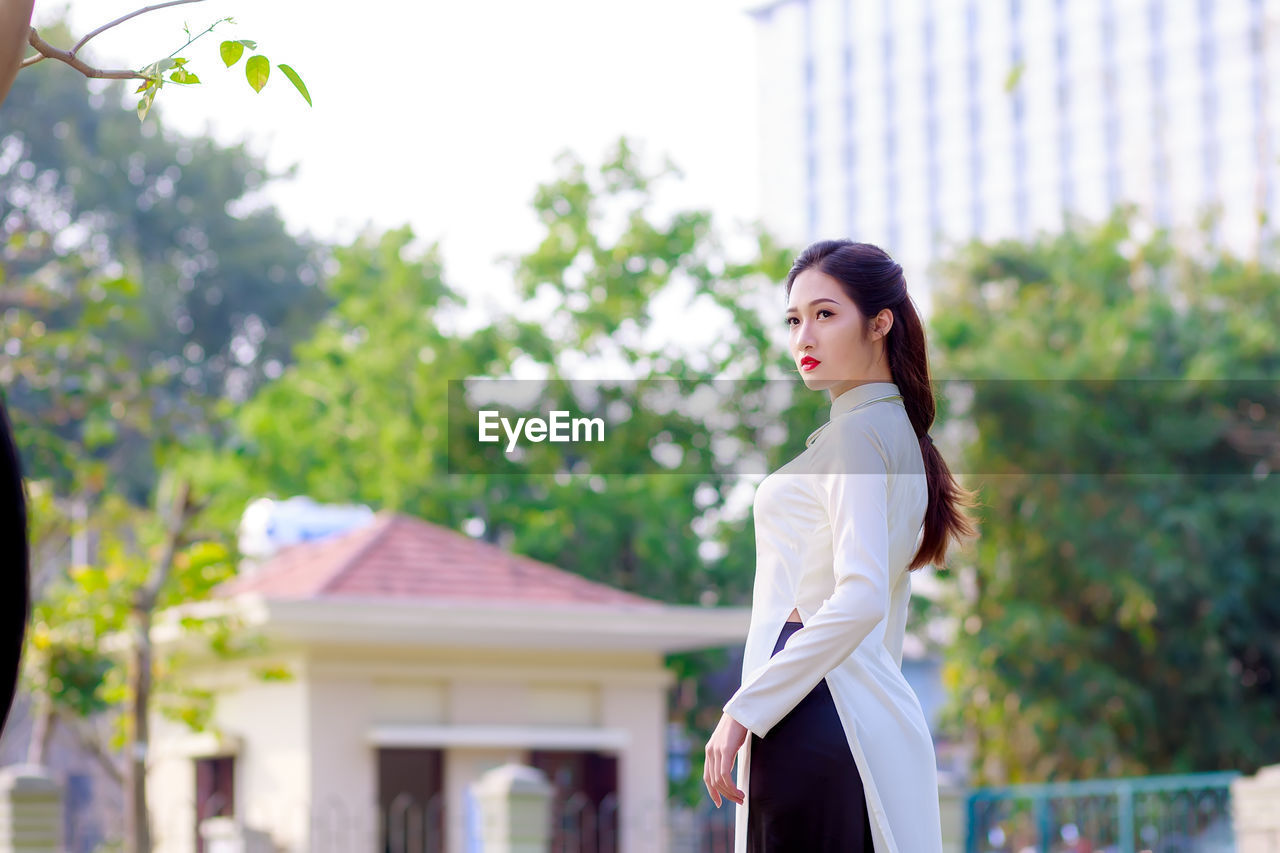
(1160, 814)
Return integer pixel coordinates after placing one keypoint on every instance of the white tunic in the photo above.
(835, 529)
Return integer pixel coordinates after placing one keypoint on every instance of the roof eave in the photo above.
(661, 628)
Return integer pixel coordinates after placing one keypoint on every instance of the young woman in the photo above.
(840, 758)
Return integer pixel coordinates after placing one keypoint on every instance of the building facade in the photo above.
(418, 659)
(919, 124)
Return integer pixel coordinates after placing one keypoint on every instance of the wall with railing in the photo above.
(1197, 813)
(1161, 814)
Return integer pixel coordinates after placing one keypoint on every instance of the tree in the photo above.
(1118, 616)
(362, 413)
(89, 651)
(117, 346)
(224, 291)
(15, 22)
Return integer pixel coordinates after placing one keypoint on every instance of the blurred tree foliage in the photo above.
(361, 415)
(222, 290)
(103, 565)
(1120, 614)
(137, 289)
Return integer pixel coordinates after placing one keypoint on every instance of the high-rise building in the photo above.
(915, 124)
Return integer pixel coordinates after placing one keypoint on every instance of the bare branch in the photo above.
(48, 50)
(181, 511)
(31, 60)
(124, 18)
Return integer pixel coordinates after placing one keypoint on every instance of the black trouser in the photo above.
(805, 792)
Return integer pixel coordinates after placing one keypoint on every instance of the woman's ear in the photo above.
(882, 323)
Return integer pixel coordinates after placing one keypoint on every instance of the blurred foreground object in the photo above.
(15, 21)
(15, 591)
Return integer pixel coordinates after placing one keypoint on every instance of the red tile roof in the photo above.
(400, 557)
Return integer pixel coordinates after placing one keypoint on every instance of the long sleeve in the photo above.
(854, 485)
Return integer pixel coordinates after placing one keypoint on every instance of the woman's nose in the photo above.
(804, 336)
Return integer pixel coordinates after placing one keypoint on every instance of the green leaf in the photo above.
(249, 43)
(158, 67)
(1014, 76)
(296, 81)
(182, 75)
(122, 286)
(257, 69)
(144, 104)
(231, 52)
(274, 673)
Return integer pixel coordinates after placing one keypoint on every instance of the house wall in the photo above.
(507, 690)
(343, 771)
(642, 777)
(267, 727)
(306, 754)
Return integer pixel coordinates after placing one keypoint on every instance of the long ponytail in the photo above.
(874, 281)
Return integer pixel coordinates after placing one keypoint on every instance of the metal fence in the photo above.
(702, 829)
(1159, 814)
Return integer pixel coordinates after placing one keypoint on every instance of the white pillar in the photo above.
(642, 765)
(515, 809)
(1255, 811)
(30, 810)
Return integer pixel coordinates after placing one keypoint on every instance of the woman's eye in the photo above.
(821, 311)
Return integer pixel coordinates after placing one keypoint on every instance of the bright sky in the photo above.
(447, 115)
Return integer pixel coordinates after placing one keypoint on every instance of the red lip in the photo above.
(809, 361)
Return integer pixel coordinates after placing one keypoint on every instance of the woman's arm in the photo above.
(855, 486)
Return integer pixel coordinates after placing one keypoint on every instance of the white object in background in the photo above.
(515, 809)
(268, 525)
(473, 836)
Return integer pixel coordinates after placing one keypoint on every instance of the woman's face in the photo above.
(827, 327)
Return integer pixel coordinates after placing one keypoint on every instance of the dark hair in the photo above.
(874, 281)
(15, 583)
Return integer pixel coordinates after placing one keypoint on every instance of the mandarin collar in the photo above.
(859, 394)
(854, 397)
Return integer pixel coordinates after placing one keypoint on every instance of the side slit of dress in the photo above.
(805, 791)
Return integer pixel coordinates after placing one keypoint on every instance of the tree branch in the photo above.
(124, 18)
(89, 742)
(46, 50)
(181, 511)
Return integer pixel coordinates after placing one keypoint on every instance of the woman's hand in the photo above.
(723, 747)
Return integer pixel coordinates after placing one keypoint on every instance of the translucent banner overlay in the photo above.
(702, 427)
